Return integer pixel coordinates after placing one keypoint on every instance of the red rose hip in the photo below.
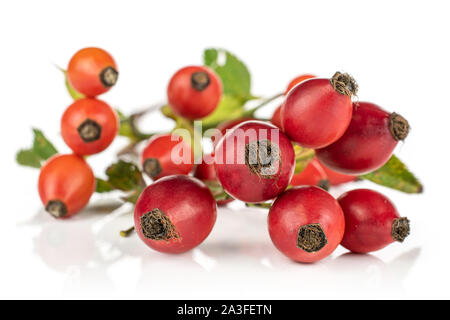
(166, 154)
(317, 111)
(92, 71)
(66, 183)
(89, 126)
(175, 214)
(337, 178)
(254, 162)
(312, 175)
(371, 221)
(194, 92)
(368, 142)
(306, 224)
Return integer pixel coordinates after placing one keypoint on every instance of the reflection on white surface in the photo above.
(238, 260)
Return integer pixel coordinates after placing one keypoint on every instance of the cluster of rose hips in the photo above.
(253, 162)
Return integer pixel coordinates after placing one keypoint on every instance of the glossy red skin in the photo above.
(67, 178)
(276, 118)
(366, 145)
(189, 205)
(77, 113)
(336, 178)
(301, 206)
(297, 80)
(160, 147)
(189, 102)
(84, 70)
(368, 218)
(314, 114)
(207, 172)
(227, 125)
(312, 175)
(237, 179)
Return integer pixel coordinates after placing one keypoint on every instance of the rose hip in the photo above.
(317, 111)
(165, 155)
(89, 126)
(312, 175)
(194, 92)
(227, 125)
(306, 224)
(371, 221)
(254, 161)
(368, 142)
(175, 214)
(66, 183)
(337, 178)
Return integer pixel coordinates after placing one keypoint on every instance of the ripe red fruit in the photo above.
(175, 214)
(371, 221)
(276, 118)
(206, 172)
(166, 154)
(317, 111)
(312, 175)
(297, 80)
(194, 92)
(66, 183)
(92, 71)
(368, 142)
(336, 178)
(306, 224)
(227, 125)
(254, 161)
(88, 126)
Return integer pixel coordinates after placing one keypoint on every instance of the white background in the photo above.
(397, 50)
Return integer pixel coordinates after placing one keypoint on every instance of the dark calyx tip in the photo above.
(56, 208)
(200, 80)
(324, 184)
(89, 131)
(152, 167)
(400, 229)
(108, 77)
(263, 158)
(311, 238)
(399, 126)
(344, 84)
(155, 225)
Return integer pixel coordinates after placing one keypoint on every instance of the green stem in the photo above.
(251, 112)
(262, 205)
(127, 232)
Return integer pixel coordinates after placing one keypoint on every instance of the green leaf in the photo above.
(302, 157)
(233, 73)
(103, 186)
(28, 158)
(129, 129)
(394, 174)
(125, 176)
(41, 146)
(72, 92)
(229, 108)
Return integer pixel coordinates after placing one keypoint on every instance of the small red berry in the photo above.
(206, 172)
(368, 142)
(175, 214)
(92, 71)
(254, 162)
(371, 221)
(312, 175)
(165, 155)
(317, 111)
(306, 224)
(89, 126)
(336, 178)
(194, 92)
(66, 183)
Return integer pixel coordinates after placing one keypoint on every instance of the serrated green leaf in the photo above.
(124, 176)
(103, 186)
(394, 174)
(28, 158)
(229, 108)
(41, 146)
(233, 72)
